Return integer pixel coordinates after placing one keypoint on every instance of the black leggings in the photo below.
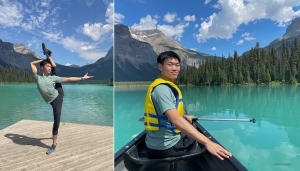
(178, 149)
(57, 104)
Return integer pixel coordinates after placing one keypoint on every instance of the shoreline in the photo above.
(147, 83)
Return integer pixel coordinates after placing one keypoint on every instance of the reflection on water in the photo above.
(272, 143)
(277, 104)
(86, 104)
(130, 88)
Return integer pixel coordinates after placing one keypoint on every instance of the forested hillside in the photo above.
(258, 66)
(16, 76)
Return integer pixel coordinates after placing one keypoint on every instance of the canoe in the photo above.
(133, 157)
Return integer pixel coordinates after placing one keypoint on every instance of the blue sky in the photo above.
(77, 31)
(211, 26)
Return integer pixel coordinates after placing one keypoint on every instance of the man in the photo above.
(169, 130)
(51, 90)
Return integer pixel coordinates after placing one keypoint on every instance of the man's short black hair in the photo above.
(44, 62)
(167, 54)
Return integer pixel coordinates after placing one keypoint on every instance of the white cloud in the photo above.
(213, 48)
(206, 2)
(170, 18)
(149, 23)
(73, 44)
(118, 18)
(196, 25)
(171, 31)
(43, 16)
(40, 17)
(247, 36)
(31, 42)
(37, 16)
(11, 13)
(190, 18)
(89, 2)
(45, 3)
(238, 12)
(107, 2)
(110, 14)
(194, 49)
(82, 48)
(76, 46)
(217, 6)
(53, 37)
(96, 30)
(92, 55)
(156, 16)
(146, 23)
(240, 42)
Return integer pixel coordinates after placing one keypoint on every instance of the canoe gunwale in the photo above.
(119, 155)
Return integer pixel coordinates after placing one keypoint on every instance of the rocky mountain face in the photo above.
(136, 52)
(292, 32)
(160, 43)
(18, 56)
(293, 29)
(135, 60)
(72, 65)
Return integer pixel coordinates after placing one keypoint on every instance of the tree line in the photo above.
(10, 75)
(15, 76)
(258, 66)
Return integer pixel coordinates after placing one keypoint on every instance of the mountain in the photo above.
(134, 60)
(18, 56)
(160, 43)
(136, 52)
(72, 65)
(292, 32)
(101, 69)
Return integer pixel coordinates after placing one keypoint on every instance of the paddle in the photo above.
(216, 119)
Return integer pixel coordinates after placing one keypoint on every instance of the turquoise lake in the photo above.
(270, 144)
(83, 104)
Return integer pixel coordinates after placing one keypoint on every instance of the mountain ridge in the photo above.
(18, 56)
(136, 52)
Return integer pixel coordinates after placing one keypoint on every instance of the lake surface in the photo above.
(270, 144)
(83, 104)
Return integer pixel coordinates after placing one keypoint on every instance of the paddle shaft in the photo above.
(216, 119)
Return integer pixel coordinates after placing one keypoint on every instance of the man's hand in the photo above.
(86, 76)
(189, 118)
(47, 55)
(217, 150)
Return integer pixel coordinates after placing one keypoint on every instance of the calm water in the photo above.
(270, 144)
(84, 104)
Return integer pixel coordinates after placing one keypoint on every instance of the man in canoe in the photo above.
(49, 86)
(169, 130)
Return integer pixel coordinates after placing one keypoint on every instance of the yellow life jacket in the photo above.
(151, 118)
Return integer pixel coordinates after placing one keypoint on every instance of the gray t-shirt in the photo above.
(46, 86)
(163, 100)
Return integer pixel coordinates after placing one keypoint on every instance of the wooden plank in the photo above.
(23, 146)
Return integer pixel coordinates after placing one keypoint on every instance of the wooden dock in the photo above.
(23, 146)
